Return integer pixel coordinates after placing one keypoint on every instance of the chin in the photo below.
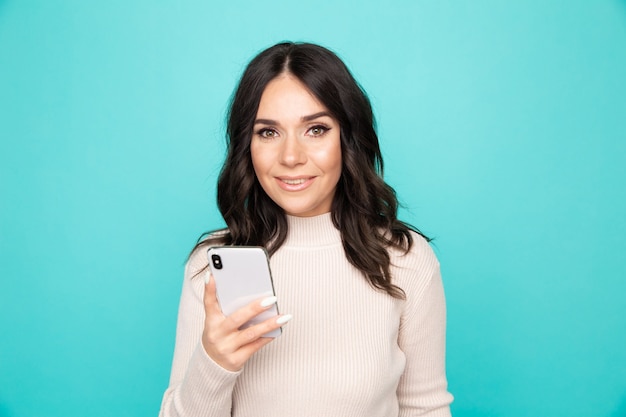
(304, 212)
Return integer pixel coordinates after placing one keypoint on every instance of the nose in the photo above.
(292, 152)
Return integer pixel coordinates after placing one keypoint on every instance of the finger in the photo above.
(257, 331)
(243, 315)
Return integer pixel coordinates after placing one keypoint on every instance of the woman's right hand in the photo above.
(228, 346)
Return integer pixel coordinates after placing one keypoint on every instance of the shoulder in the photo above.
(420, 254)
(198, 260)
(413, 270)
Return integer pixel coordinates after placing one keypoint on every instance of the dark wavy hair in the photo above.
(364, 208)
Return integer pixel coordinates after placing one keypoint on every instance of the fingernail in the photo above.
(207, 277)
(268, 301)
(284, 319)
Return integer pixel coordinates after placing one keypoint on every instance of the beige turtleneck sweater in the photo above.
(348, 351)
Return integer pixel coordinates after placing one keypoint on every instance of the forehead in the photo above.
(287, 96)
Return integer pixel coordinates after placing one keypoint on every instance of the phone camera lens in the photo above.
(217, 261)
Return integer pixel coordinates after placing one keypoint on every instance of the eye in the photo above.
(318, 130)
(267, 133)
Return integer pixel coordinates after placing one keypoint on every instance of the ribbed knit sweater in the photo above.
(349, 351)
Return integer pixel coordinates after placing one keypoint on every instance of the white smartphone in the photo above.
(242, 274)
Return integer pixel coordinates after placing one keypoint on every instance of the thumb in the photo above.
(211, 305)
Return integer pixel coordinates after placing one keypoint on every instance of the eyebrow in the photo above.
(303, 118)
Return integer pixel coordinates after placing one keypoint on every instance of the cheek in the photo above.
(258, 159)
(329, 160)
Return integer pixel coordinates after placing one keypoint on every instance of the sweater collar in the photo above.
(312, 231)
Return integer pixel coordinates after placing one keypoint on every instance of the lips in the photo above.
(294, 183)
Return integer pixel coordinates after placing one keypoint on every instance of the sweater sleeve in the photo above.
(198, 386)
(422, 390)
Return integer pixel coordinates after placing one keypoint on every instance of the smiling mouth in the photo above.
(295, 184)
(294, 181)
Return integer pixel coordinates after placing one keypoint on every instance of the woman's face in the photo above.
(296, 148)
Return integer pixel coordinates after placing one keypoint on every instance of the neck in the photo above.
(312, 231)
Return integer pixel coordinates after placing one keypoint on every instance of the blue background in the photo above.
(503, 128)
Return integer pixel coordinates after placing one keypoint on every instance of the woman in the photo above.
(303, 177)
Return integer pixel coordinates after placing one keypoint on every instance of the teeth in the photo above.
(294, 182)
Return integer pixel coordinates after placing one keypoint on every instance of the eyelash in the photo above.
(263, 132)
(323, 128)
